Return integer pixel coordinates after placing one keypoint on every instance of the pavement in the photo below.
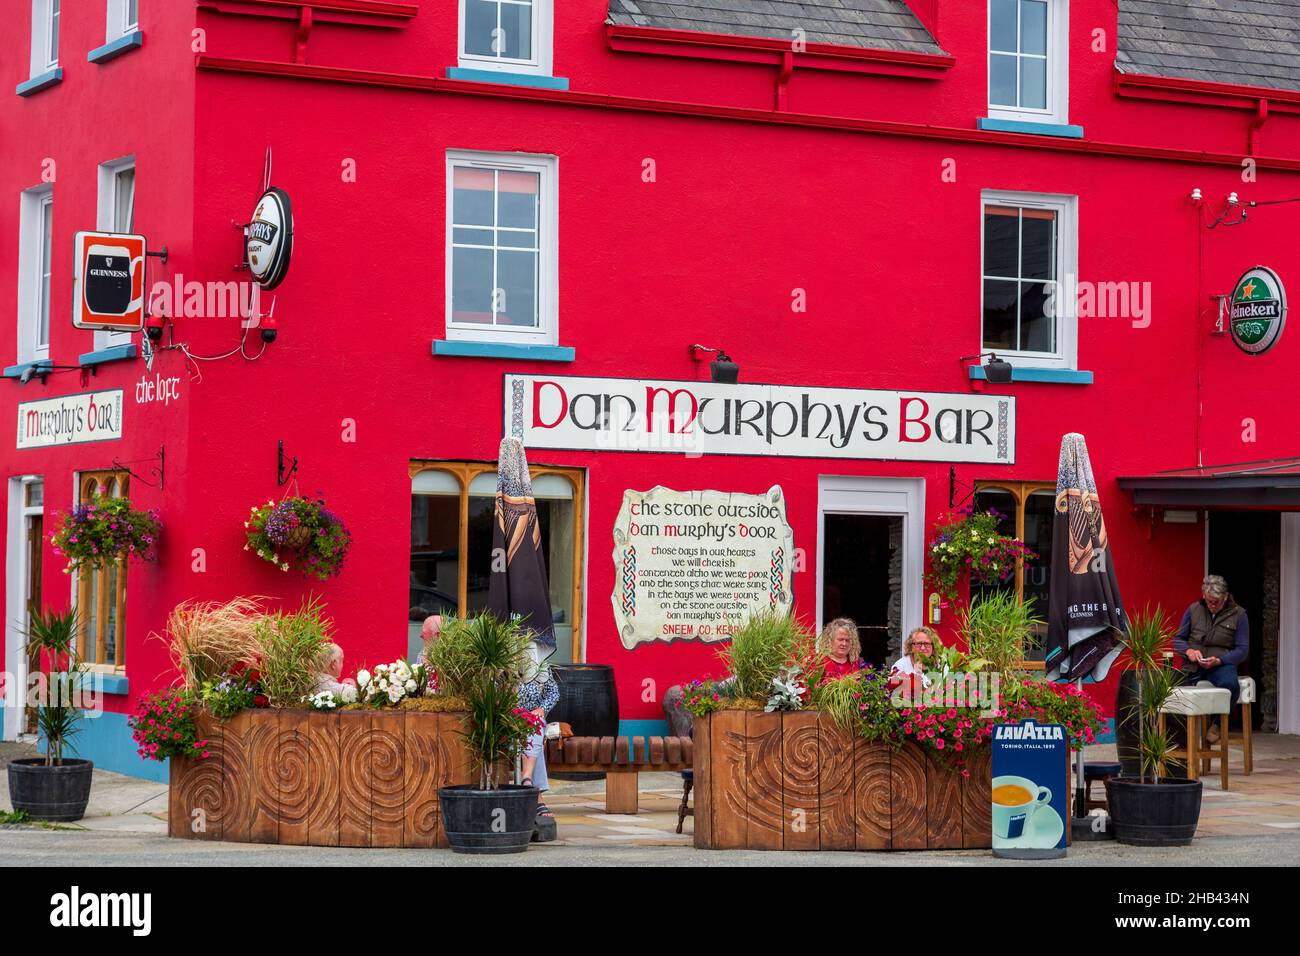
(1256, 822)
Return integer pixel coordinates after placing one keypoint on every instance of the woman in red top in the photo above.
(840, 648)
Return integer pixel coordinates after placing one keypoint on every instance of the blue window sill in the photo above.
(118, 353)
(1036, 129)
(16, 371)
(513, 79)
(37, 83)
(506, 350)
(108, 683)
(1060, 376)
(111, 51)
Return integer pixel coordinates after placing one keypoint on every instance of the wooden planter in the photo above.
(315, 778)
(796, 781)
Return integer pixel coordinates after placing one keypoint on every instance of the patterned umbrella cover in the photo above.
(518, 586)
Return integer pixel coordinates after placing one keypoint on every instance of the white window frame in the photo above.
(1066, 207)
(33, 292)
(542, 42)
(118, 23)
(106, 221)
(548, 245)
(43, 14)
(1058, 68)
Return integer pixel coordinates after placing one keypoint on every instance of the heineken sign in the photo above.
(1257, 311)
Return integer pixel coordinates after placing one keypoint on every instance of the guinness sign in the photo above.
(108, 277)
(1257, 311)
(268, 241)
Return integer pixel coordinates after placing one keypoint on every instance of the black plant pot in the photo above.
(489, 821)
(58, 793)
(1127, 722)
(1154, 814)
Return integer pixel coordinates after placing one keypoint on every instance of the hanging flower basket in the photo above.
(96, 534)
(301, 533)
(968, 541)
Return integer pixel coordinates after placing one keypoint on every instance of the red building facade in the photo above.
(580, 198)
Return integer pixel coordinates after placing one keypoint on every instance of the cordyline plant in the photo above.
(490, 666)
(51, 635)
(96, 534)
(969, 541)
(1149, 636)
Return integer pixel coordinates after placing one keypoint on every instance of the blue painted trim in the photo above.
(108, 683)
(506, 350)
(643, 728)
(16, 371)
(105, 739)
(117, 353)
(1036, 129)
(511, 79)
(1060, 376)
(38, 83)
(111, 51)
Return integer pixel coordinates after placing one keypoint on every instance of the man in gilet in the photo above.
(1214, 637)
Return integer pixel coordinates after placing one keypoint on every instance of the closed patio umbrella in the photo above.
(1085, 614)
(518, 585)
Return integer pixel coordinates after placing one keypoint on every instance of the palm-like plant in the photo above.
(1149, 637)
(51, 636)
(490, 669)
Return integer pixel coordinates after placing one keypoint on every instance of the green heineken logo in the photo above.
(1257, 311)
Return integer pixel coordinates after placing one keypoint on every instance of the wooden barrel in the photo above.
(588, 704)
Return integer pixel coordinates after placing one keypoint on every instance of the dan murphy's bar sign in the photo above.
(706, 418)
(70, 419)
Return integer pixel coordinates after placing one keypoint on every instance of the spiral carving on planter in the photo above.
(387, 793)
(293, 777)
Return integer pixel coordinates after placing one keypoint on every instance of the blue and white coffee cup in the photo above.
(1010, 820)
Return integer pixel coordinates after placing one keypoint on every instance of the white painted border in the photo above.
(543, 41)
(845, 494)
(1288, 645)
(15, 611)
(1058, 69)
(106, 221)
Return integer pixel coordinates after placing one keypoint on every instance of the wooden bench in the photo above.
(621, 759)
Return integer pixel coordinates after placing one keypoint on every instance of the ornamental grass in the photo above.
(205, 639)
(291, 647)
(765, 644)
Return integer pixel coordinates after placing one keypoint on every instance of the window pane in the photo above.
(516, 31)
(517, 199)
(557, 525)
(1002, 25)
(472, 237)
(47, 231)
(517, 278)
(35, 494)
(482, 509)
(1004, 503)
(1038, 538)
(1002, 80)
(1033, 83)
(109, 579)
(53, 53)
(517, 240)
(1001, 239)
(1038, 244)
(1033, 26)
(1037, 330)
(435, 543)
(132, 12)
(480, 27)
(999, 314)
(471, 289)
(472, 196)
(124, 200)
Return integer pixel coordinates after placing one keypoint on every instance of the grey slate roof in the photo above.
(1251, 42)
(879, 24)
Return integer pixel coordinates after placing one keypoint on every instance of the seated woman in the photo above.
(840, 649)
(331, 670)
(919, 648)
(538, 693)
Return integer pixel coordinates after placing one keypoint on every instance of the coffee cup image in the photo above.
(1015, 801)
(110, 280)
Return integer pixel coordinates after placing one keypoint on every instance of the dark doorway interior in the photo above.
(1245, 549)
(862, 563)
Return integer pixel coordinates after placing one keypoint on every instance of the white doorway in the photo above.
(23, 551)
(1288, 644)
(870, 558)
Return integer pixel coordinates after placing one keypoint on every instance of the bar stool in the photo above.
(1196, 704)
(1245, 697)
(1093, 772)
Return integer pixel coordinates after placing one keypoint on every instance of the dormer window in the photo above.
(1029, 60)
(510, 36)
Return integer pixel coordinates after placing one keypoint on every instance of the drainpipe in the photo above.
(1257, 124)
(301, 36)
(783, 80)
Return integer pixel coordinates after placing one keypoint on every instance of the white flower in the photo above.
(349, 694)
(395, 694)
(284, 567)
(410, 686)
(363, 678)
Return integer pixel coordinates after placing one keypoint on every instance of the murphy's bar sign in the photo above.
(707, 418)
(70, 419)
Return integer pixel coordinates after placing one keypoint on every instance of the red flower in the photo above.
(261, 700)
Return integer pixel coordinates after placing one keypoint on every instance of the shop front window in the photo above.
(1027, 509)
(101, 593)
(452, 508)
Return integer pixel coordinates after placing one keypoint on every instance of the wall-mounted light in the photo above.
(723, 370)
(34, 370)
(996, 371)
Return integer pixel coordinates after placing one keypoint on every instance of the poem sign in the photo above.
(693, 565)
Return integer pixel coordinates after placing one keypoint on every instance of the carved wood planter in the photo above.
(796, 781)
(352, 778)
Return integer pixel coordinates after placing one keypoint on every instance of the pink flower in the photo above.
(938, 743)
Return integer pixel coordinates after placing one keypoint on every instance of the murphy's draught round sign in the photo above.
(270, 238)
(1257, 312)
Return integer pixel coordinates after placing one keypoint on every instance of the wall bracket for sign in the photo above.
(159, 255)
(281, 474)
(952, 490)
(159, 469)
